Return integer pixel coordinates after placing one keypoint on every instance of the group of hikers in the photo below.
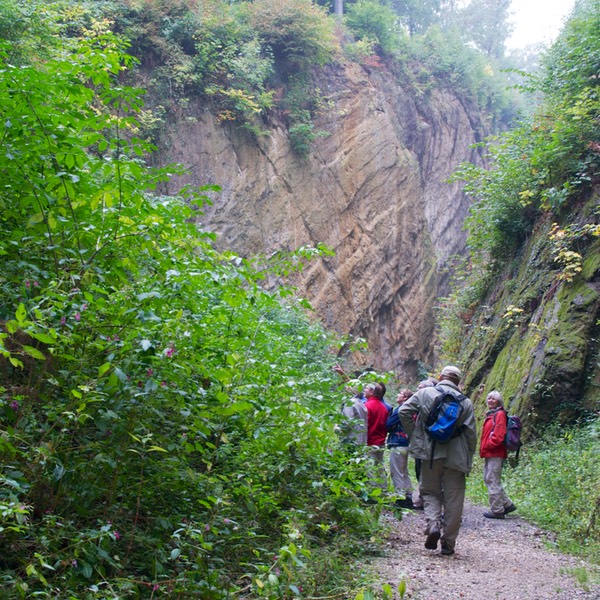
(436, 427)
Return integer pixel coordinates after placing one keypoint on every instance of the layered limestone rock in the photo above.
(373, 189)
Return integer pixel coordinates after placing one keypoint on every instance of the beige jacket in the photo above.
(355, 427)
(457, 453)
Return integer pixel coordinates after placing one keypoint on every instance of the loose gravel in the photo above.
(506, 559)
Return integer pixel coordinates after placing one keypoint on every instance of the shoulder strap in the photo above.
(450, 392)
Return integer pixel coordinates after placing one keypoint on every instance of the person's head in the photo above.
(451, 373)
(403, 395)
(494, 400)
(379, 391)
(369, 390)
(383, 388)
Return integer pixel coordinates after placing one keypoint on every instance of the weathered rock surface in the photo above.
(545, 357)
(374, 190)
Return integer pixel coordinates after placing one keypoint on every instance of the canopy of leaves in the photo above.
(545, 164)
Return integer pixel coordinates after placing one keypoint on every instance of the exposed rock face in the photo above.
(374, 190)
(545, 360)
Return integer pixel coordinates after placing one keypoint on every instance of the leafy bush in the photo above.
(572, 63)
(299, 32)
(165, 424)
(370, 20)
(543, 164)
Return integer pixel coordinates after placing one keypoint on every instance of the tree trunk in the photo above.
(338, 8)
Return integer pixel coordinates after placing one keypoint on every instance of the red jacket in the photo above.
(377, 414)
(493, 434)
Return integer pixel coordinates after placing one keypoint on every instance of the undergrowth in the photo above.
(556, 485)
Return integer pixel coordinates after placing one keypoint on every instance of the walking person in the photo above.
(493, 450)
(397, 443)
(377, 414)
(444, 465)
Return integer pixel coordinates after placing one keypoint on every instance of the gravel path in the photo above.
(494, 560)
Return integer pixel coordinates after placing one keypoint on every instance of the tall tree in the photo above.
(485, 22)
(417, 15)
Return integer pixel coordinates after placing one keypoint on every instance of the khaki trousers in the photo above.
(399, 470)
(492, 476)
(443, 490)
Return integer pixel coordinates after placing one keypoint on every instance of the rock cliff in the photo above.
(373, 189)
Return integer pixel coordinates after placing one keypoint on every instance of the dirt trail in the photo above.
(495, 560)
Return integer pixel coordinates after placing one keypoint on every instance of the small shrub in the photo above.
(370, 20)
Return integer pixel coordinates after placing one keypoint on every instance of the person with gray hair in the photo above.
(445, 465)
(493, 451)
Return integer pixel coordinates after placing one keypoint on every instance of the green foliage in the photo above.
(463, 69)
(303, 100)
(543, 164)
(417, 15)
(573, 62)
(485, 22)
(299, 32)
(371, 20)
(454, 313)
(165, 424)
(502, 213)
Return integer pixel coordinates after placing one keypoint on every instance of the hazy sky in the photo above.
(537, 20)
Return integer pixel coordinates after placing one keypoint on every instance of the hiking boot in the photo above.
(433, 537)
(404, 503)
(491, 515)
(510, 509)
(447, 550)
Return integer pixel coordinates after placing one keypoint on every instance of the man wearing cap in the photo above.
(445, 465)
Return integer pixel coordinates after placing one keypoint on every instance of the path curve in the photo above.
(495, 560)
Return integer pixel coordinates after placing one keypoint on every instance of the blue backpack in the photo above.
(442, 420)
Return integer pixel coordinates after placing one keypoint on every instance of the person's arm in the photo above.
(338, 369)
(470, 429)
(392, 421)
(408, 411)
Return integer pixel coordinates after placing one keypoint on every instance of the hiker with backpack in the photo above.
(444, 437)
(377, 414)
(493, 450)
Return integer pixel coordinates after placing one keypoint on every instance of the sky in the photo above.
(537, 21)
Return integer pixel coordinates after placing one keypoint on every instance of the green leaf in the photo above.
(15, 362)
(34, 352)
(21, 313)
(234, 408)
(156, 449)
(102, 369)
(43, 337)
(120, 374)
(35, 219)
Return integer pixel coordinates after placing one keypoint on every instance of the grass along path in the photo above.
(495, 560)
